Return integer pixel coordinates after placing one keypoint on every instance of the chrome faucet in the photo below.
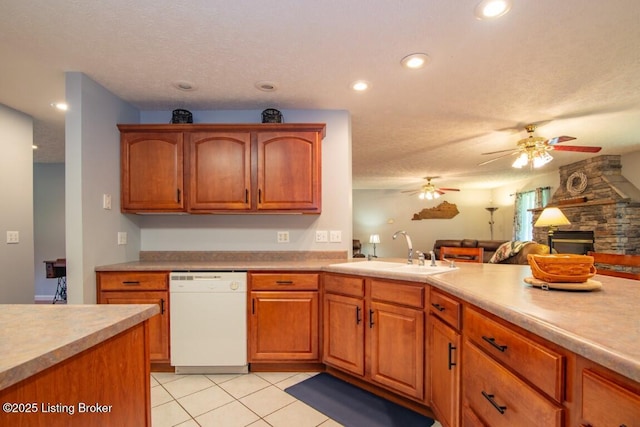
(409, 245)
(432, 255)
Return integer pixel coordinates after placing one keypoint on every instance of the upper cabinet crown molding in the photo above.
(221, 168)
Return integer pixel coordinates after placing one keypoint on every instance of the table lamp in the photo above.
(374, 239)
(552, 218)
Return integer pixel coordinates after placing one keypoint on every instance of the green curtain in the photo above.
(523, 217)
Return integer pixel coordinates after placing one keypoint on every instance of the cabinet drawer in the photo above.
(397, 293)
(541, 366)
(132, 281)
(283, 281)
(500, 398)
(351, 286)
(446, 308)
(605, 403)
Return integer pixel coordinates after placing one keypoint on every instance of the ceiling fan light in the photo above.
(421, 196)
(521, 161)
(541, 159)
(429, 196)
(436, 195)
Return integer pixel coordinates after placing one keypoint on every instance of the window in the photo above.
(523, 218)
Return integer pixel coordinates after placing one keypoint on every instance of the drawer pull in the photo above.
(493, 343)
(131, 283)
(284, 282)
(358, 318)
(451, 362)
(371, 323)
(438, 306)
(489, 397)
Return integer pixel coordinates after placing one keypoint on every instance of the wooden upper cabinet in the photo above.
(289, 171)
(225, 168)
(151, 171)
(219, 170)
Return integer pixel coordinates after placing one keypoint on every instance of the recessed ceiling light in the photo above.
(266, 86)
(60, 106)
(490, 9)
(360, 85)
(184, 85)
(415, 61)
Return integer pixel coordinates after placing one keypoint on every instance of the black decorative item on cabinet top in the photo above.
(181, 116)
(271, 115)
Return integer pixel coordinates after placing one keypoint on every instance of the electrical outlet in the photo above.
(106, 201)
(283, 237)
(335, 236)
(322, 236)
(13, 237)
(122, 237)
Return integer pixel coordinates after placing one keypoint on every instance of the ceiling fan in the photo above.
(535, 149)
(429, 191)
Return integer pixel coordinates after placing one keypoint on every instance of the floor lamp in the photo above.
(552, 218)
(374, 239)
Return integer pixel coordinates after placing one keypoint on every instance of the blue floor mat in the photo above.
(352, 406)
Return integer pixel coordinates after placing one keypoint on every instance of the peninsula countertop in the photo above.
(36, 337)
(602, 326)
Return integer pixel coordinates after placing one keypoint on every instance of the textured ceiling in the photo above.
(572, 64)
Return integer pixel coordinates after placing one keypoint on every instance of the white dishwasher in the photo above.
(208, 326)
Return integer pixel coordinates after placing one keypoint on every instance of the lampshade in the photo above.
(374, 238)
(551, 217)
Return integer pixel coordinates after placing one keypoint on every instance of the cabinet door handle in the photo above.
(451, 362)
(438, 306)
(162, 306)
(358, 318)
(371, 323)
(131, 283)
(489, 397)
(178, 193)
(259, 195)
(253, 306)
(246, 195)
(493, 343)
(284, 282)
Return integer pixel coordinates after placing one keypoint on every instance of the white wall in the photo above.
(92, 158)
(258, 232)
(16, 193)
(48, 223)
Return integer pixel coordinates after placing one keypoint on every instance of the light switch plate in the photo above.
(13, 237)
(335, 236)
(122, 237)
(106, 201)
(322, 236)
(283, 237)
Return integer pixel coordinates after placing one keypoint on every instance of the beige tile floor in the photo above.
(255, 399)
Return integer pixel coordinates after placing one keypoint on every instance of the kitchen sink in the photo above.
(395, 267)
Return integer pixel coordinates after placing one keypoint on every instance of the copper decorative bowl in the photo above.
(562, 268)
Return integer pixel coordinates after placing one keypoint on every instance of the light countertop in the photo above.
(36, 337)
(603, 325)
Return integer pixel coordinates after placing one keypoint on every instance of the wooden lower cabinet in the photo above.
(141, 288)
(284, 324)
(606, 403)
(378, 337)
(344, 333)
(502, 399)
(444, 366)
(396, 348)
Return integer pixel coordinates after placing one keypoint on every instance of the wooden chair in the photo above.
(461, 254)
(632, 262)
